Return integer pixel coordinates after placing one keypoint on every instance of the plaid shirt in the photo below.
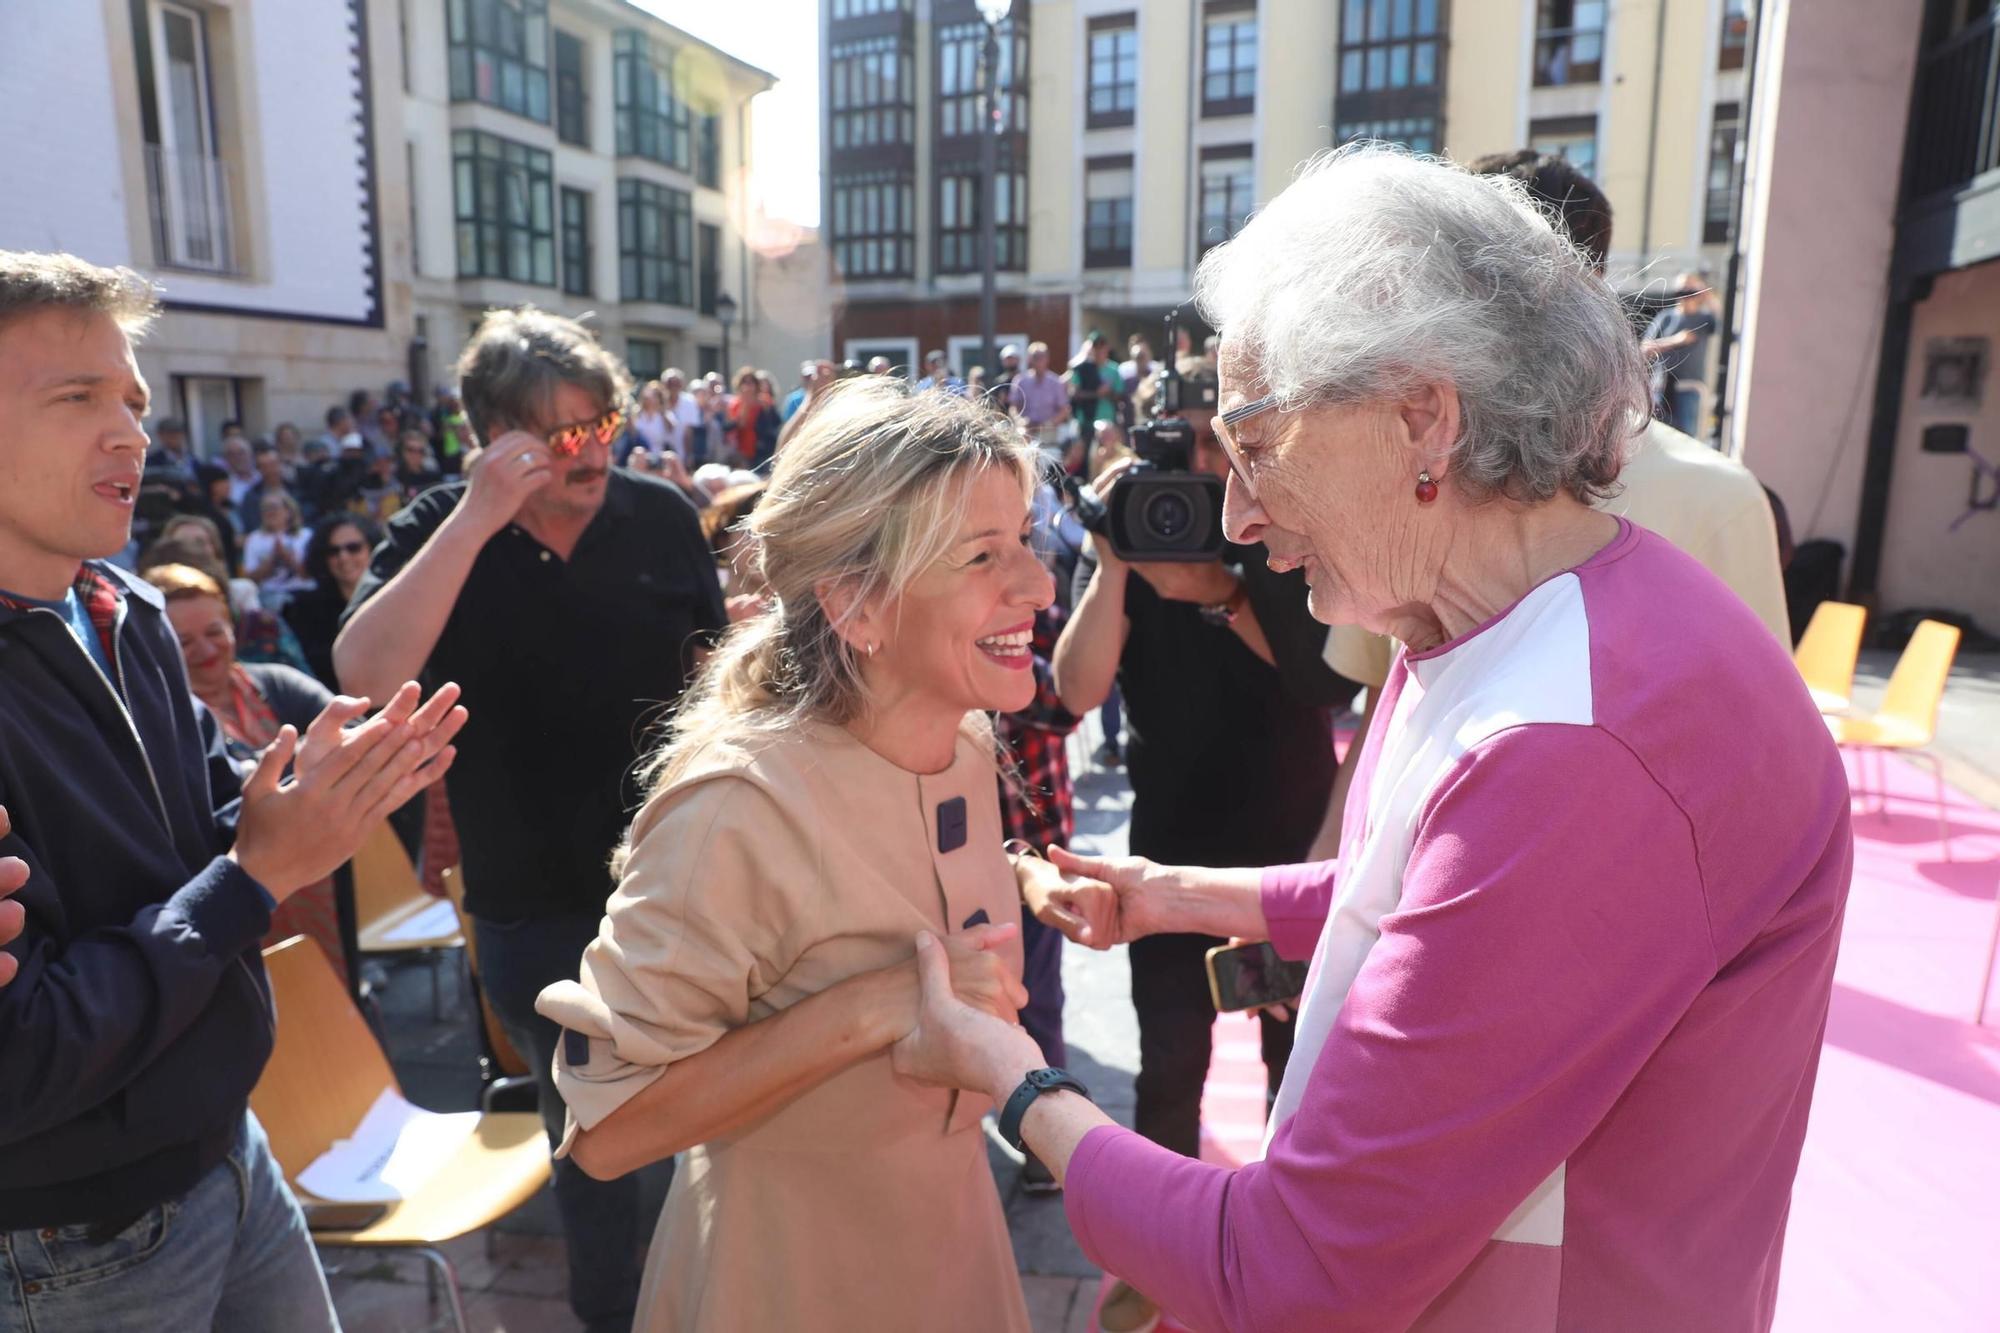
(99, 597)
(1037, 807)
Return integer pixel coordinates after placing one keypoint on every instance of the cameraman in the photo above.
(1229, 710)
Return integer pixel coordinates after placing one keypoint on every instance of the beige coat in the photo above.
(763, 877)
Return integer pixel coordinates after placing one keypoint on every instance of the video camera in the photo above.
(1160, 509)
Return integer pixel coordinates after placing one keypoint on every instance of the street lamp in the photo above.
(994, 12)
(725, 310)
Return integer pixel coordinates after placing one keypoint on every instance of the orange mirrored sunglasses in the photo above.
(568, 441)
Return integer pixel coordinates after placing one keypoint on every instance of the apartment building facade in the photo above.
(1865, 395)
(233, 151)
(584, 156)
(1135, 137)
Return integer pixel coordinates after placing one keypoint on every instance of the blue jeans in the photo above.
(1041, 973)
(1686, 406)
(232, 1253)
(1112, 714)
(601, 1224)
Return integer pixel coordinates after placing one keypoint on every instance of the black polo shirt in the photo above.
(567, 668)
(1231, 758)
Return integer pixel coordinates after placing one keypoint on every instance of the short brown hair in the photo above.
(508, 373)
(182, 583)
(1571, 197)
(31, 281)
(719, 521)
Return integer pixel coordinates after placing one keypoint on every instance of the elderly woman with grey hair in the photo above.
(1571, 967)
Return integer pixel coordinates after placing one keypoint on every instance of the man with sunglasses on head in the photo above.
(569, 599)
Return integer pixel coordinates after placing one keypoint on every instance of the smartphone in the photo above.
(1245, 976)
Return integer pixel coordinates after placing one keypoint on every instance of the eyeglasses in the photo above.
(568, 441)
(1225, 435)
(347, 548)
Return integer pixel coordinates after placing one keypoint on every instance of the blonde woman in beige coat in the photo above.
(827, 792)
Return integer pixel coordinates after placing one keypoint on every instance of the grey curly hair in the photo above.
(1378, 271)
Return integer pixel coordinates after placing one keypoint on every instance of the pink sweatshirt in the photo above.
(1570, 976)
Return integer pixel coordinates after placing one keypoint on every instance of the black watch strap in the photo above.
(1034, 1085)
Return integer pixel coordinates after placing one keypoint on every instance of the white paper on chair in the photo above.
(439, 919)
(393, 1151)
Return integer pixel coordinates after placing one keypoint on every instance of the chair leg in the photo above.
(450, 1275)
(1944, 827)
(1986, 977)
(437, 1001)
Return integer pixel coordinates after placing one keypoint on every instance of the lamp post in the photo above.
(994, 12)
(725, 311)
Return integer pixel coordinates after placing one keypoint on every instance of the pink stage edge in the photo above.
(1896, 1212)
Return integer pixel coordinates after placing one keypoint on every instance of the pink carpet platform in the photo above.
(1896, 1213)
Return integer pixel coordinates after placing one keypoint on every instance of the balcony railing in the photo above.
(1568, 55)
(1956, 131)
(190, 198)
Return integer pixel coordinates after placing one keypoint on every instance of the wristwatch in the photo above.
(1225, 612)
(1033, 1086)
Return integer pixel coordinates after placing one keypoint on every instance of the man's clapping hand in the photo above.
(13, 917)
(345, 780)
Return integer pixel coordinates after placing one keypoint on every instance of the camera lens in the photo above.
(1167, 516)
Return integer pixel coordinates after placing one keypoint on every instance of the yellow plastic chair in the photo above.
(1828, 651)
(326, 1071)
(387, 894)
(1907, 720)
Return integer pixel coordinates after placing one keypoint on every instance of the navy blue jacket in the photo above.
(141, 1016)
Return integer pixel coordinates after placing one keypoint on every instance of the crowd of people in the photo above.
(748, 711)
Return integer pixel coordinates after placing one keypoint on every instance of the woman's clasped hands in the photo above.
(957, 1042)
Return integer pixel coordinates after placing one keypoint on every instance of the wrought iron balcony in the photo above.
(1955, 135)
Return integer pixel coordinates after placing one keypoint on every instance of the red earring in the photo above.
(1427, 490)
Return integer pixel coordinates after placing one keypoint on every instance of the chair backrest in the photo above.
(326, 1069)
(497, 1041)
(1917, 683)
(384, 879)
(1830, 647)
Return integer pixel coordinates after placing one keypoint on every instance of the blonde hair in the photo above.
(180, 583)
(869, 494)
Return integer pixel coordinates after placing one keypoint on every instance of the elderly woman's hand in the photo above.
(954, 1044)
(1040, 881)
(980, 977)
(1113, 899)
